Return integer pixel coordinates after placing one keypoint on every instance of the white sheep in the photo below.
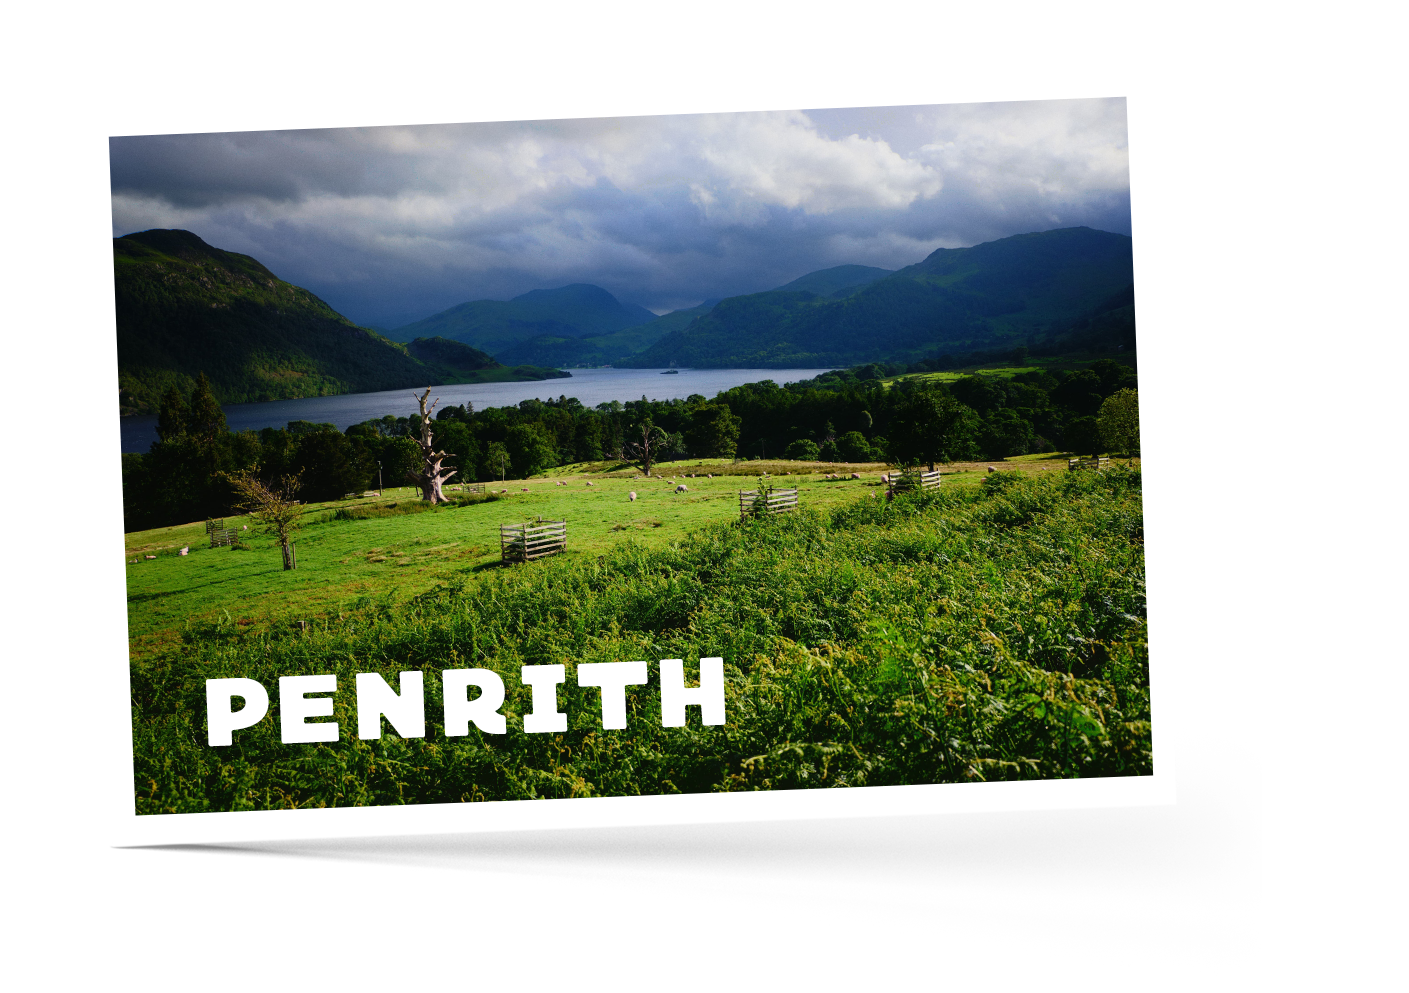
(856, 475)
(682, 488)
(631, 495)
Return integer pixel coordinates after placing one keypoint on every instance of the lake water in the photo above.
(591, 386)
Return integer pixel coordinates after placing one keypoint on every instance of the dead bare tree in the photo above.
(272, 507)
(432, 476)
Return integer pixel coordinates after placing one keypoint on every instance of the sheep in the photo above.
(682, 488)
(590, 483)
(856, 475)
(991, 469)
(631, 495)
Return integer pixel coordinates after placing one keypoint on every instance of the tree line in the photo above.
(847, 415)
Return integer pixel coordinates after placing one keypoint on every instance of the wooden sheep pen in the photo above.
(528, 541)
(220, 535)
(755, 503)
(1102, 462)
(911, 479)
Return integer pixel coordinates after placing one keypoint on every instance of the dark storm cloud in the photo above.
(393, 224)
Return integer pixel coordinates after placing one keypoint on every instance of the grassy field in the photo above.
(343, 562)
(1000, 371)
(992, 630)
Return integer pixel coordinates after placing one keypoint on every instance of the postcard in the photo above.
(631, 470)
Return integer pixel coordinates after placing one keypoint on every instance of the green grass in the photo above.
(341, 561)
(992, 630)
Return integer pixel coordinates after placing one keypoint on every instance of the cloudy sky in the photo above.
(392, 224)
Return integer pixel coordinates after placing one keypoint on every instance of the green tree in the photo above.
(497, 461)
(173, 415)
(854, 447)
(1006, 432)
(1079, 392)
(330, 466)
(1082, 435)
(803, 450)
(272, 507)
(930, 426)
(713, 432)
(587, 439)
(205, 419)
(454, 435)
(1119, 422)
(530, 451)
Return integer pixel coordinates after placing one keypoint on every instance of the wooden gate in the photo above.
(528, 541)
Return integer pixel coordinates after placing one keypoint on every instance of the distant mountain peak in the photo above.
(836, 280)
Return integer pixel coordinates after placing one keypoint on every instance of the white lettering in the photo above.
(708, 696)
(545, 716)
(375, 699)
(483, 709)
(613, 678)
(295, 707)
(220, 720)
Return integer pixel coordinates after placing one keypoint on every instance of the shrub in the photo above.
(803, 450)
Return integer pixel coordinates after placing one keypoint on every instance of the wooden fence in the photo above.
(911, 479)
(528, 541)
(220, 535)
(753, 503)
(1103, 462)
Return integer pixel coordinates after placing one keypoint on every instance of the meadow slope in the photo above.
(993, 630)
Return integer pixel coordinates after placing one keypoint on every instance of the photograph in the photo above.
(632, 456)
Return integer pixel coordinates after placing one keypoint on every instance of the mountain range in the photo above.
(1013, 289)
(184, 307)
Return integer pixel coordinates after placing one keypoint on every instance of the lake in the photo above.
(591, 386)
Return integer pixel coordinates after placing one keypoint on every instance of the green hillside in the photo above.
(839, 281)
(1015, 288)
(561, 314)
(451, 354)
(601, 349)
(185, 307)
